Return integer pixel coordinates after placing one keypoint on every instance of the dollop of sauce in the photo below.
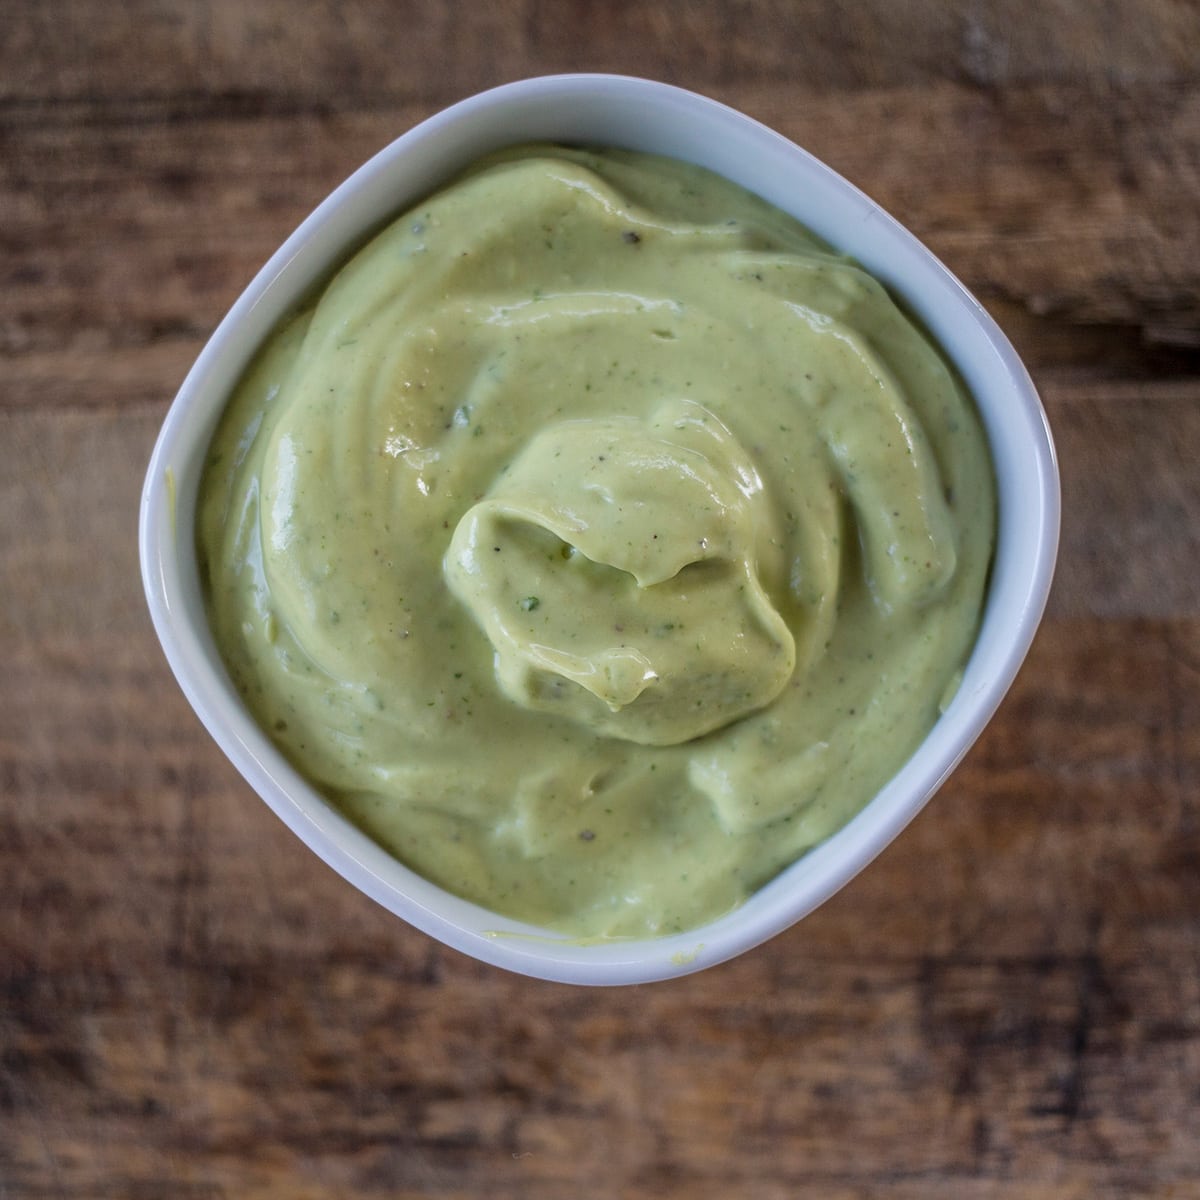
(640, 525)
(597, 540)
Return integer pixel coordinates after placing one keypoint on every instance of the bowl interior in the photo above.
(638, 115)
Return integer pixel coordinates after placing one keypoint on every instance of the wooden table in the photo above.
(1006, 1004)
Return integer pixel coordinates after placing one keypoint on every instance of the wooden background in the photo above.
(1006, 1004)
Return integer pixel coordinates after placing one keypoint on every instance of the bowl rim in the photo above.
(1017, 593)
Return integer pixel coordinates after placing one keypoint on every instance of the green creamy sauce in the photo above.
(598, 541)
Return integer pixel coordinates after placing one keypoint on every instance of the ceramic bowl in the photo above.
(640, 115)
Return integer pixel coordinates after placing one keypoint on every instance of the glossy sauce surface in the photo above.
(598, 541)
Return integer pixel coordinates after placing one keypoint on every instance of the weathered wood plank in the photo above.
(324, 54)
(1131, 499)
(1045, 204)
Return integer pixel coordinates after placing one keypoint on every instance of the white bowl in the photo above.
(639, 115)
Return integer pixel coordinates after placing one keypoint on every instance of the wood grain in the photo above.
(1005, 1005)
